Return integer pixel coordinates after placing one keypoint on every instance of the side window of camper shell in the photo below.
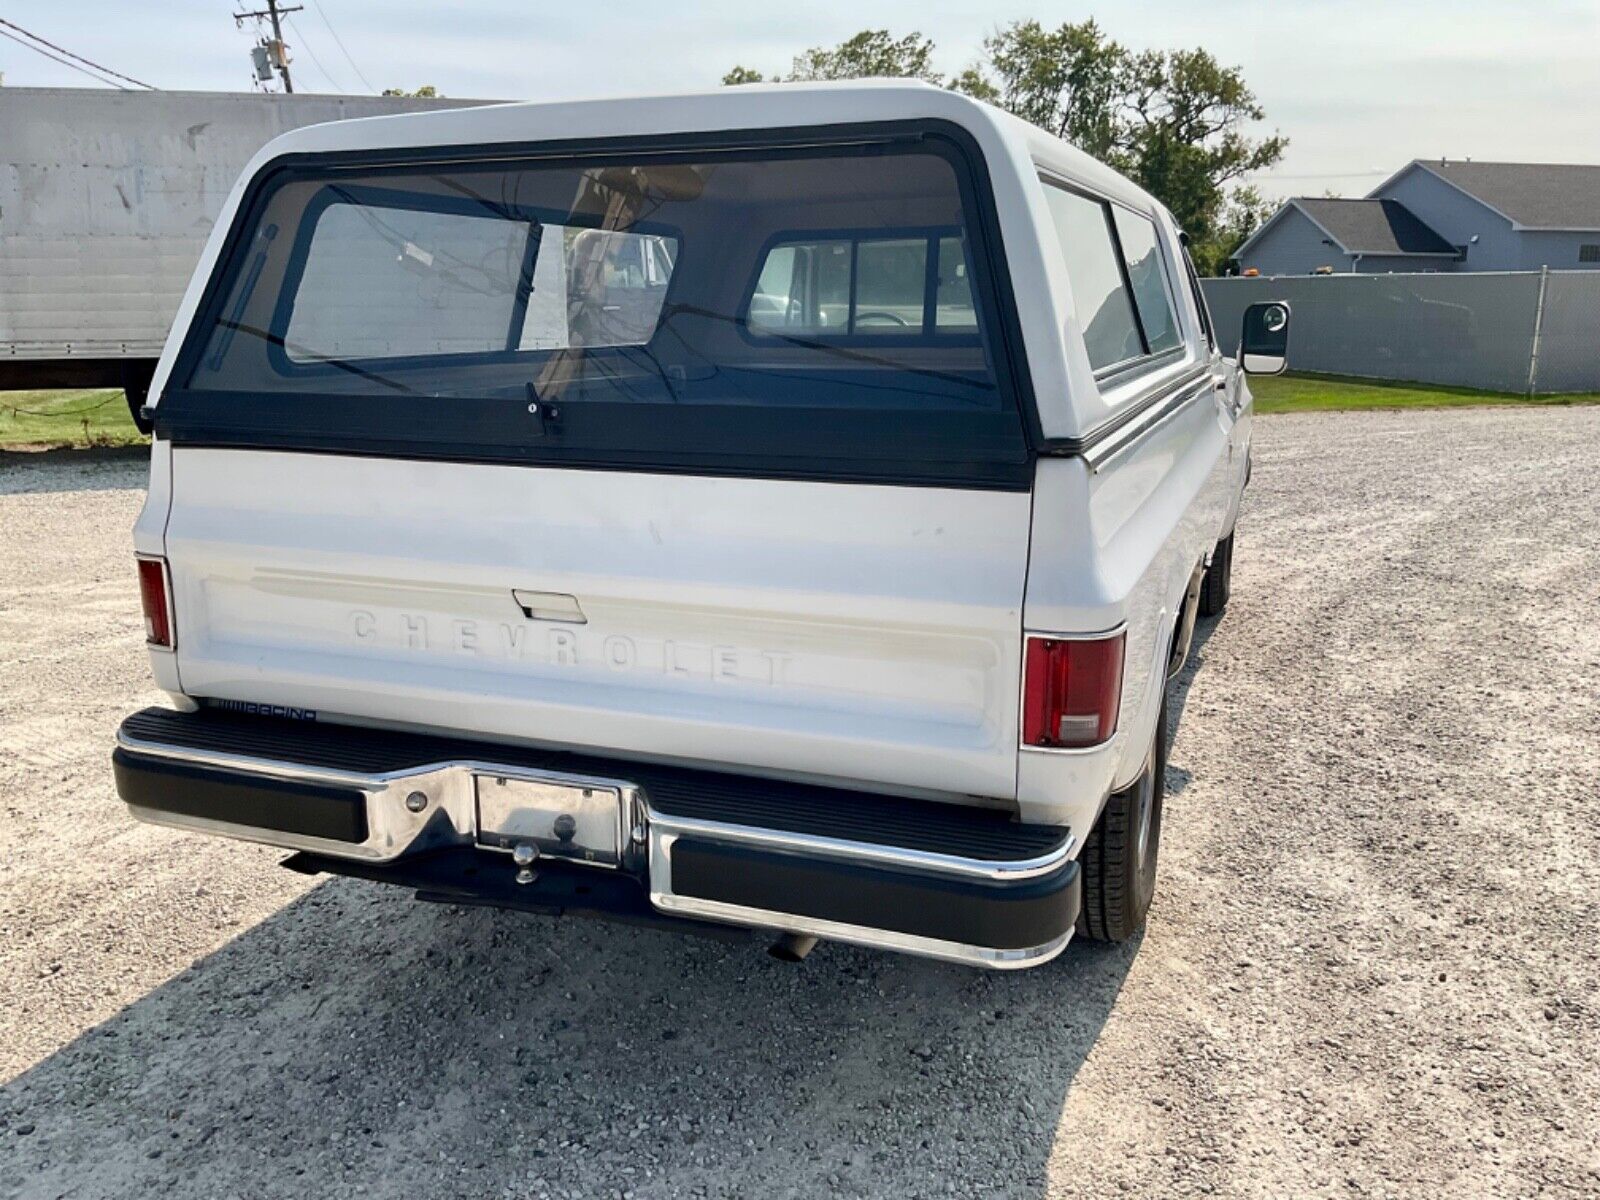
(1120, 284)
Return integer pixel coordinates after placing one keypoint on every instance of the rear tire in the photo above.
(1119, 859)
(1218, 584)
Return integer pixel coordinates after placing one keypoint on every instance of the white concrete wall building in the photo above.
(106, 199)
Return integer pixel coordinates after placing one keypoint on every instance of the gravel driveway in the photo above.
(1373, 967)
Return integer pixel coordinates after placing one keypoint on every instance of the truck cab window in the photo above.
(837, 287)
(387, 280)
(382, 281)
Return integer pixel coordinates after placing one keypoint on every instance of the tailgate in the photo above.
(850, 631)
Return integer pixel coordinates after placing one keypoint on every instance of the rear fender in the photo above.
(1123, 547)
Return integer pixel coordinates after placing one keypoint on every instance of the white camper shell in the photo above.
(779, 507)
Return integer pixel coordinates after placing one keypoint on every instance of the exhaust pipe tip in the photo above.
(792, 947)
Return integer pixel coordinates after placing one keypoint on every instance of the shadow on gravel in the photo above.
(357, 1040)
(95, 469)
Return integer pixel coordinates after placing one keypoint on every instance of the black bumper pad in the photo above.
(970, 832)
(997, 914)
(258, 801)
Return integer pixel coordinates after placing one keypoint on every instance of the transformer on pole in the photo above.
(270, 53)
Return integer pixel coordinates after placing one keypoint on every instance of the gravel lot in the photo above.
(1373, 967)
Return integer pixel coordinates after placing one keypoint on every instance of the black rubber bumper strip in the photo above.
(257, 801)
(994, 914)
(987, 834)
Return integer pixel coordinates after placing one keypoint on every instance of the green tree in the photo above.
(872, 53)
(426, 92)
(1184, 141)
(1067, 80)
(1244, 212)
(1175, 122)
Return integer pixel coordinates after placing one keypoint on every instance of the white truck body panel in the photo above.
(1149, 520)
(849, 631)
(802, 628)
(918, 725)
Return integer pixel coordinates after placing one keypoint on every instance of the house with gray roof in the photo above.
(1437, 215)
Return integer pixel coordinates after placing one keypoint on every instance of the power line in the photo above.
(64, 62)
(316, 4)
(63, 50)
(309, 50)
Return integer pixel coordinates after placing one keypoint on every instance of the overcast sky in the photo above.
(1359, 86)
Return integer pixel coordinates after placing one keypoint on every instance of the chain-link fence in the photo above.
(1513, 332)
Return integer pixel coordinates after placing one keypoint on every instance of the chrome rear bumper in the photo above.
(952, 883)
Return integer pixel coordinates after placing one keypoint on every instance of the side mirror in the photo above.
(1264, 344)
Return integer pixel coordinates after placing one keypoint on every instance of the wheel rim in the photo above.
(1147, 816)
(1146, 802)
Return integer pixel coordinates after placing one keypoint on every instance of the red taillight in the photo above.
(1070, 690)
(153, 594)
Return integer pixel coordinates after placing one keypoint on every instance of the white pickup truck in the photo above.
(782, 507)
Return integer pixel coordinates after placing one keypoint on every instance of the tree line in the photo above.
(1173, 121)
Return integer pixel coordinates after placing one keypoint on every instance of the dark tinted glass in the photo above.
(1149, 279)
(800, 309)
(803, 279)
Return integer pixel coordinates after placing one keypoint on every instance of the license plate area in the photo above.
(576, 821)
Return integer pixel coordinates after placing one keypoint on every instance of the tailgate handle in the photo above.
(549, 606)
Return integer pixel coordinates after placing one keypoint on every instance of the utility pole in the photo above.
(278, 53)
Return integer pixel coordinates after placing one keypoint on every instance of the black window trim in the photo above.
(1208, 331)
(993, 288)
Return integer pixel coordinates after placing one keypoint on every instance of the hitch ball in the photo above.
(524, 854)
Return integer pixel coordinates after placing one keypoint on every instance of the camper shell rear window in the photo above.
(828, 305)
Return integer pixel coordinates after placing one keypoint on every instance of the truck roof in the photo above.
(746, 106)
(1067, 400)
